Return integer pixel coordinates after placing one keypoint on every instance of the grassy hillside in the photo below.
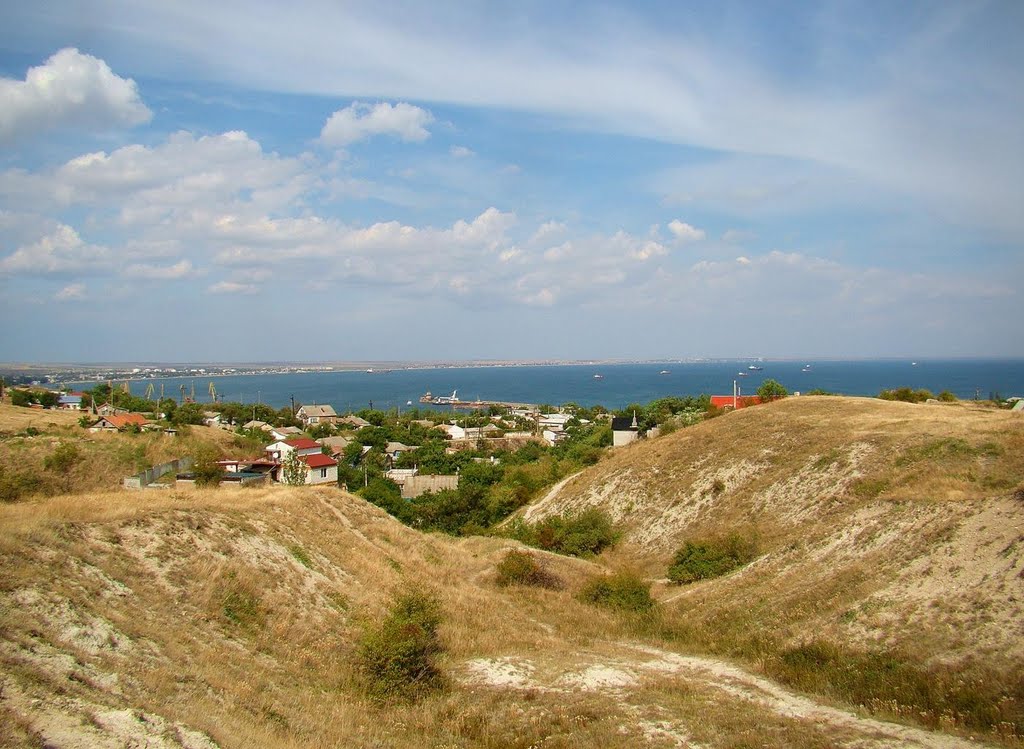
(880, 528)
(233, 617)
(28, 436)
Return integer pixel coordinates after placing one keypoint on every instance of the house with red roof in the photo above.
(320, 468)
(119, 422)
(734, 401)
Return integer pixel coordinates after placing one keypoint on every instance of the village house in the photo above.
(284, 433)
(257, 424)
(336, 445)
(625, 430)
(70, 401)
(211, 418)
(320, 468)
(302, 445)
(353, 421)
(118, 422)
(393, 450)
(314, 415)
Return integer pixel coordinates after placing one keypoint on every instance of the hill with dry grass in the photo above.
(233, 617)
(876, 522)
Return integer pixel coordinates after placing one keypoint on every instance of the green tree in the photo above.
(293, 470)
(205, 467)
(771, 390)
(63, 460)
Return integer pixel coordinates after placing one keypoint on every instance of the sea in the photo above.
(611, 385)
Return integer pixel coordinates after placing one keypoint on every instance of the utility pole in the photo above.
(293, 404)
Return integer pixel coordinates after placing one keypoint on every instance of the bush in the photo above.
(708, 559)
(947, 397)
(623, 591)
(521, 568)
(397, 658)
(584, 535)
(771, 390)
(907, 395)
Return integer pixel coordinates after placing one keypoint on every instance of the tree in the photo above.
(293, 470)
(771, 390)
(63, 460)
(205, 467)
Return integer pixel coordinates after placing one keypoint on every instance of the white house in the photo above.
(303, 446)
(624, 430)
(320, 469)
(284, 433)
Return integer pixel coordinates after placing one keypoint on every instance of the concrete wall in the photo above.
(414, 486)
(141, 480)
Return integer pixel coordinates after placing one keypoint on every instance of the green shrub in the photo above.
(397, 658)
(707, 559)
(907, 395)
(623, 591)
(947, 397)
(521, 568)
(584, 535)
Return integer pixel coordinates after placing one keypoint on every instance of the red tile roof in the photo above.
(318, 460)
(725, 401)
(302, 443)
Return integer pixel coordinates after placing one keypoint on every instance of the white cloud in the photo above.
(181, 269)
(232, 287)
(683, 232)
(71, 89)
(461, 152)
(360, 121)
(73, 292)
(60, 252)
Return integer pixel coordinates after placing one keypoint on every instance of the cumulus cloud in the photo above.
(71, 89)
(60, 252)
(232, 287)
(360, 121)
(73, 292)
(684, 232)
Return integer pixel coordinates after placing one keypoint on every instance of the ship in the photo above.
(599, 377)
(752, 368)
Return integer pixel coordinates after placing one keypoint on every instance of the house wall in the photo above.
(313, 475)
(140, 480)
(623, 438)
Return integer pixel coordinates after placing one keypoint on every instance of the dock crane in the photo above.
(149, 391)
(213, 392)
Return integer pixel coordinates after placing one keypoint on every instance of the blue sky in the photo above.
(332, 181)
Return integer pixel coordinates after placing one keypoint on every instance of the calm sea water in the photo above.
(620, 384)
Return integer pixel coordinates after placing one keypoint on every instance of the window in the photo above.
(323, 473)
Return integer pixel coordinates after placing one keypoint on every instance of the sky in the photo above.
(328, 181)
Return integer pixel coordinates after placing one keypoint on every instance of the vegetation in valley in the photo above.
(705, 559)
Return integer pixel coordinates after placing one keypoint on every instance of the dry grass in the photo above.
(235, 614)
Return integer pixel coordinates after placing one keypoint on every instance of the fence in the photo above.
(147, 477)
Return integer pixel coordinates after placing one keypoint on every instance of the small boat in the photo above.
(599, 377)
(752, 368)
(742, 374)
(664, 372)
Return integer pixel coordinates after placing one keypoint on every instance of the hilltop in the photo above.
(230, 618)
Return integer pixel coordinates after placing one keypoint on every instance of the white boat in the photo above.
(599, 377)
(664, 371)
(752, 368)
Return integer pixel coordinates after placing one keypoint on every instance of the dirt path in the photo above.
(626, 667)
(535, 507)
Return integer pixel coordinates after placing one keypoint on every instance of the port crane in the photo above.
(213, 392)
(149, 391)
